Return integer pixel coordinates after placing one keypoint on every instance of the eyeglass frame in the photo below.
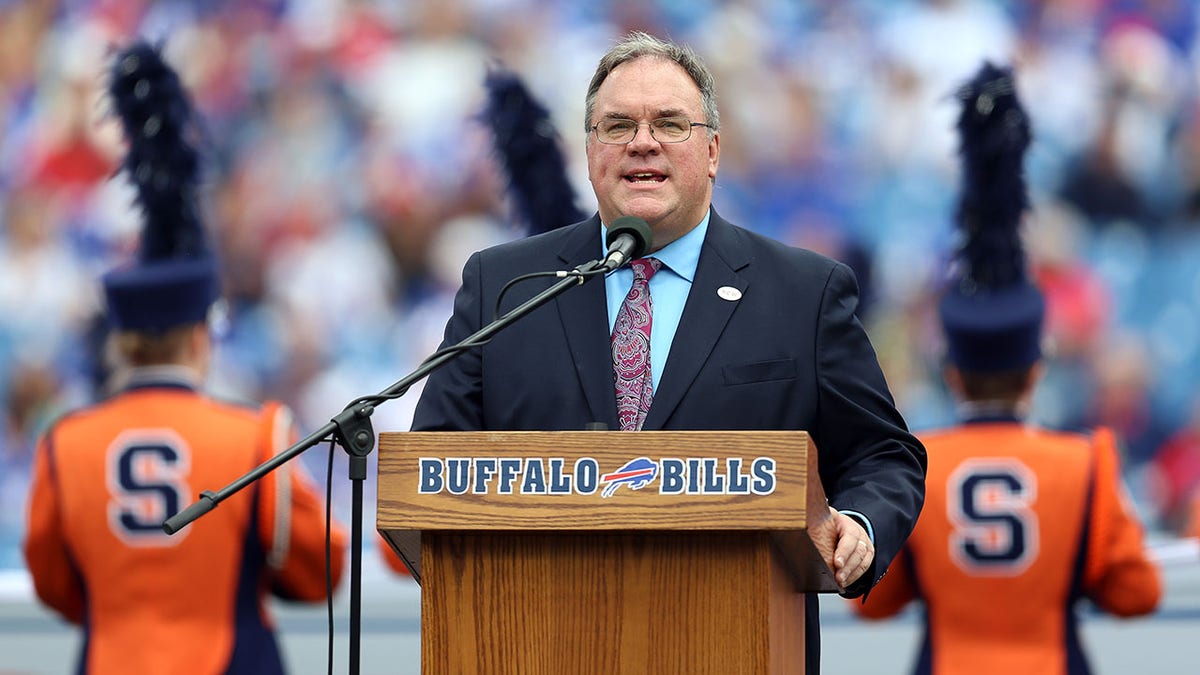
(595, 128)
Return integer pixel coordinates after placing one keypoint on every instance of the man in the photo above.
(1020, 523)
(107, 476)
(744, 332)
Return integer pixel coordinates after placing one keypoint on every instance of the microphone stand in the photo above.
(352, 429)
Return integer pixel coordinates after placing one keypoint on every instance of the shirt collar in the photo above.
(989, 412)
(682, 256)
(173, 377)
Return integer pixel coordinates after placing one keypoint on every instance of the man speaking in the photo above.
(712, 327)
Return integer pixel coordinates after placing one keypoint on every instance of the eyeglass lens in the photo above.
(664, 129)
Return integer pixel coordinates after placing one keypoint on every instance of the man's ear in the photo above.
(1035, 375)
(714, 155)
(952, 376)
(200, 345)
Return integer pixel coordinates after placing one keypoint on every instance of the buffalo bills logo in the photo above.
(637, 474)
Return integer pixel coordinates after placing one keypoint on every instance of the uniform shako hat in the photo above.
(990, 311)
(527, 145)
(173, 279)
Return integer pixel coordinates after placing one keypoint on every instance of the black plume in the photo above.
(160, 125)
(527, 143)
(994, 133)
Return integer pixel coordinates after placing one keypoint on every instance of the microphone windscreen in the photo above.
(635, 227)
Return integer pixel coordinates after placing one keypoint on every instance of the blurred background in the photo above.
(351, 175)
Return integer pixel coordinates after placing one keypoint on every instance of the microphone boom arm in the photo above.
(344, 421)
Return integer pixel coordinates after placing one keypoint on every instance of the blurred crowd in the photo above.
(350, 175)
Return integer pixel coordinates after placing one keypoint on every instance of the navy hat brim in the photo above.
(160, 295)
(993, 330)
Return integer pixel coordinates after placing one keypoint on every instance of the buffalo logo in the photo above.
(637, 474)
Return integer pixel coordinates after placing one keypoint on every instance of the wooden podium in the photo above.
(608, 552)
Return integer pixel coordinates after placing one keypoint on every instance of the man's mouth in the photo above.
(645, 177)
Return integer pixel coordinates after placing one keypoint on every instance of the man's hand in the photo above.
(853, 551)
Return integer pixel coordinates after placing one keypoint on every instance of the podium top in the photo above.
(599, 481)
(585, 480)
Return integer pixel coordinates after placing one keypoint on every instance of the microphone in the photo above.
(628, 237)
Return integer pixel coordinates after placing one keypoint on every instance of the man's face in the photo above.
(669, 185)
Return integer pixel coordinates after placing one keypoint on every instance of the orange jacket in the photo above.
(105, 478)
(1018, 525)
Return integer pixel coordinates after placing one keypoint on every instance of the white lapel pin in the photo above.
(729, 293)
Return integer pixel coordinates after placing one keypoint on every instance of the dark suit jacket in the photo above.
(789, 354)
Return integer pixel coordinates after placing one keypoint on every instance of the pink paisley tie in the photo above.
(631, 348)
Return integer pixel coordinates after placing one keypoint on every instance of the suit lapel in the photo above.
(584, 314)
(705, 316)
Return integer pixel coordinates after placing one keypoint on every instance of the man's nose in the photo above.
(642, 138)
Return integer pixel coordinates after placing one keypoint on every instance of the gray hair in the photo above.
(637, 45)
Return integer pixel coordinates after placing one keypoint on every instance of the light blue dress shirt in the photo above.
(669, 288)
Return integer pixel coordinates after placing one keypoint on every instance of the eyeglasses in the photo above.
(619, 131)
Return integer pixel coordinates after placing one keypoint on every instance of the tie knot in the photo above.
(644, 268)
